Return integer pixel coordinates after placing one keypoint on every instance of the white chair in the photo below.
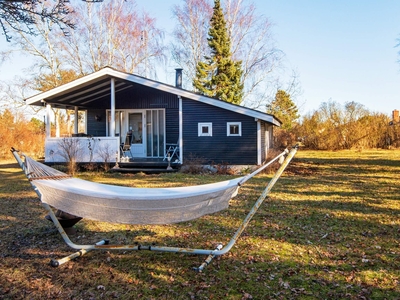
(171, 150)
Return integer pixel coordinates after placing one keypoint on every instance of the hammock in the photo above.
(138, 205)
(130, 205)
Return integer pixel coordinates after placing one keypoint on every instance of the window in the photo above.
(234, 129)
(205, 129)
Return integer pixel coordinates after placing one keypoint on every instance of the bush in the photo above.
(17, 132)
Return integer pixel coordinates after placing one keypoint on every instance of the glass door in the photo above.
(155, 132)
(144, 130)
(135, 130)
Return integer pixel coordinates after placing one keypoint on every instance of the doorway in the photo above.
(135, 129)
(145, 129)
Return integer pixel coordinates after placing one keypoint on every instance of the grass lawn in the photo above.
(329, 230)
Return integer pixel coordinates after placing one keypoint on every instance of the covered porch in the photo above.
(125, 120)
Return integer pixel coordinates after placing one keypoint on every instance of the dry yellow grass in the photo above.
(329, 230)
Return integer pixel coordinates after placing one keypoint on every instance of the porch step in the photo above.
(144, 170)
(146, 166)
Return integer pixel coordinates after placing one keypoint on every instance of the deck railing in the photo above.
(82, 149)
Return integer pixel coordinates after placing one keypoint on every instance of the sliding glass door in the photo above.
(155, 127)
(143, 129)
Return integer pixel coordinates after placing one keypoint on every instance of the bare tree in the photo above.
(45, 48)
(110, 33)
(21, 15)
(334, 127)
(252, 43)
(190, 35)
(71, 150)
(106, 34)
(113, 34)
(12, 95)
(48, 70)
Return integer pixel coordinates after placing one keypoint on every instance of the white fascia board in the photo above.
(65, 87)
(107, 71)
(193, 96)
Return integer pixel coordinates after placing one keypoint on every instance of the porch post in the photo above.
(112, 123)
(76, 120)
(180, 131)
(48, 122)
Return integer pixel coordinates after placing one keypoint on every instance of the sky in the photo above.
(342, 50)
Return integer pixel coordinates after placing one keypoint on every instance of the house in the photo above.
(153, 115)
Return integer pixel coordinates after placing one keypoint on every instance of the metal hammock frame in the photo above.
(104, 244)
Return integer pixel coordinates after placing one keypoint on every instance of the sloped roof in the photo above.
(86, 90)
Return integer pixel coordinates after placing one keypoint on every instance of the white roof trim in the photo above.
(67, 86)
(107, 71)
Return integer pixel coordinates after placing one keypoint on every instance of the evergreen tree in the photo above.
(283, 108)
(219, 76)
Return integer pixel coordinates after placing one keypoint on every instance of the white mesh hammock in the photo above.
(130, 205)
(139, 205)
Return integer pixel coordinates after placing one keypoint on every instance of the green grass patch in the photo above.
(329, 230)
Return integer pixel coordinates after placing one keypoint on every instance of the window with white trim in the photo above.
(205, 129)
(234, 129)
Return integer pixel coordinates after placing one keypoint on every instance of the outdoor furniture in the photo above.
(126, 146)
(171, 151)
(129, 205)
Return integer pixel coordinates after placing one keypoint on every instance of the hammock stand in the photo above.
(104, 244)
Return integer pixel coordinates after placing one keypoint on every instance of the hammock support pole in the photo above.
(211, 254)
(253, 211)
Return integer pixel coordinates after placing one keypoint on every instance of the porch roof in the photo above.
(92, 89)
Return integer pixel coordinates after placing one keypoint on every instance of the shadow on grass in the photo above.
(332, 233)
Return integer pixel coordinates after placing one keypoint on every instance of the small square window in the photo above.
(234, 129)
(205, 129)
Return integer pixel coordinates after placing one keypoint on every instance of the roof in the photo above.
(91, 88)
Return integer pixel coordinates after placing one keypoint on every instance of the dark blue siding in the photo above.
(172, 125)
(94, 127)
(219, 148)
(145, 98)
(140, 98)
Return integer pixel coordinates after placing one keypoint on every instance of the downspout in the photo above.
(48, 123)
(180, 131)
(112, 123)
(259, 150)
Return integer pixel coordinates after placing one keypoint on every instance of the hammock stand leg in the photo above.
(103, 245)
(252, 212)
(81, 252)
(83, 248)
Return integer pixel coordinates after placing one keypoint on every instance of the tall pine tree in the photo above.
(219, 76)
(284, 109)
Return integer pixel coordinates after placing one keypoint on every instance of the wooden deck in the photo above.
(146, 165)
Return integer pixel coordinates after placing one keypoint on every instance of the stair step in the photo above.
(144, 170)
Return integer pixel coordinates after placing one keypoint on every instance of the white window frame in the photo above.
(228, 127)
(200, 129)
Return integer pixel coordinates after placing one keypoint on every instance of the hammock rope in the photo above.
(36, 170)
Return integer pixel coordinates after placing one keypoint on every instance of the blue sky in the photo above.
(342, 50)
